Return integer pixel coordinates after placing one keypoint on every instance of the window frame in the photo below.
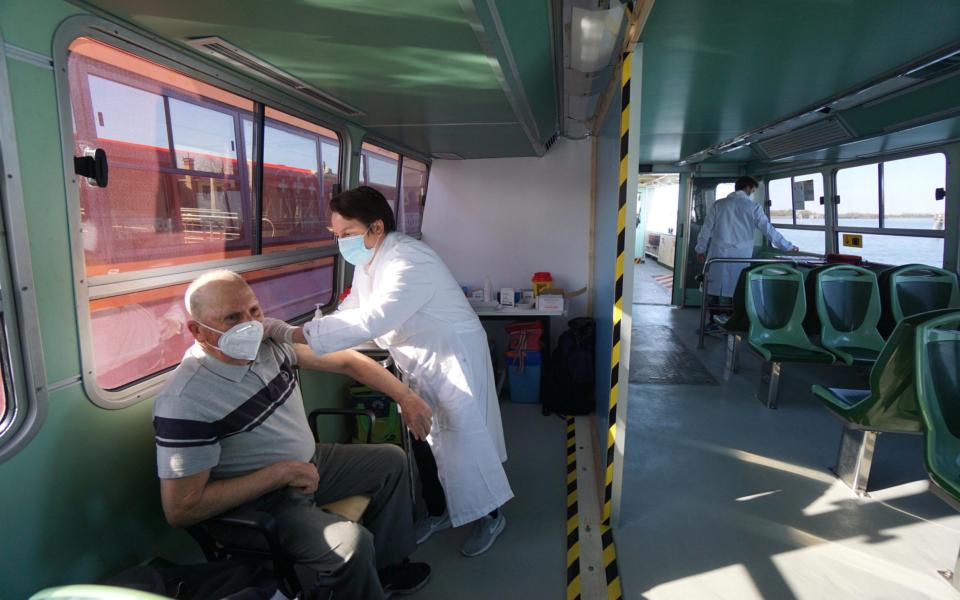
(86, 289)
(404, 153)
(838, 229)
(25, 385)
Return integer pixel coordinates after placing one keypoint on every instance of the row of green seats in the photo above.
(853, 310)
(849, 308)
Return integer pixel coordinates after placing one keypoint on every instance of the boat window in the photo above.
(175, 193)
(795, 206)
(413, 185)
(380, 169)
(182, 191)
(300, 169)
(910, 192)
(859, 191)
(780, 197)
(139, 334)
(884, 201)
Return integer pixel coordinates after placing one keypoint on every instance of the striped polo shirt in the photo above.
(232, 419)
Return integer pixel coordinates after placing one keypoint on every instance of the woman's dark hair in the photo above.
(745, 182)
(364, 204)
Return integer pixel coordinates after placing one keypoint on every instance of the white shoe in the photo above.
(485, 532)
(427, 527)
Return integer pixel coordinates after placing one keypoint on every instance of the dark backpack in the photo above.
(570, 372)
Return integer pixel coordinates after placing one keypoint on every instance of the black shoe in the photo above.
(404, 578)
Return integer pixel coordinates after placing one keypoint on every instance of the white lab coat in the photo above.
(407, 301)
(728, 231)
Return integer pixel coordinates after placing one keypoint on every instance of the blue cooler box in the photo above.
(523, 369)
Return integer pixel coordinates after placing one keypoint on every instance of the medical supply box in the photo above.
(550, 299)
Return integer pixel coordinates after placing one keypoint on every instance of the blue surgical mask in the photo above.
(354, 251)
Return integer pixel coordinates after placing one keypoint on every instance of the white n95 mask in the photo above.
(242, 341)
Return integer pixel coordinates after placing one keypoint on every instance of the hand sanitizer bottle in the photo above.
(487, 290)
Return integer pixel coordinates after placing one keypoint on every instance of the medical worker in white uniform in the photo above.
(728, 232)
(404, 298)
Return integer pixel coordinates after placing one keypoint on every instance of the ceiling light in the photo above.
(594, 34)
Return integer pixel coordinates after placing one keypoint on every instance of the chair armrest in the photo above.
(248, 519)
(253, 520)
(315, 415)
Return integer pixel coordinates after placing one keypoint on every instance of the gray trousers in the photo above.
(337, 553)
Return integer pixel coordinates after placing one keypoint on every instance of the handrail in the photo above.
(793, 260)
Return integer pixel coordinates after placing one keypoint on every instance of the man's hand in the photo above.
(701, 258)
(300, 475)
(416, 414)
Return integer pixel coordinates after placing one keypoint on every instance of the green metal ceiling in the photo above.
(714, 69)
(436, 76)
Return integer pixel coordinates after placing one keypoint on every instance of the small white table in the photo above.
(511, 312)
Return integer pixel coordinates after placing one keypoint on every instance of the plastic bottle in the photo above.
(487, 290)
(317, 313)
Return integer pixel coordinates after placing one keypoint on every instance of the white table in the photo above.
(510, 312)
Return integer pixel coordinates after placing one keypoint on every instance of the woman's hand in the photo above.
(278, 330)
(416, 415)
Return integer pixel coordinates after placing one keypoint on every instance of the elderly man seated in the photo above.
(231, 432)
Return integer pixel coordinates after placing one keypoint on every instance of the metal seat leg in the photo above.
(732, 364)
(855, 458)
(773, 383)
(952, 576)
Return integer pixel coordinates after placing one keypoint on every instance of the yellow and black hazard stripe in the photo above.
(573, 515)
(609, 550)
(618, 292)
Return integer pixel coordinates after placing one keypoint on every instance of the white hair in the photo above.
(195, 297)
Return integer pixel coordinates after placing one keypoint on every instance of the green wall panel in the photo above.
(41, 166)
(527, 25)
(81, 500)
(30, 24)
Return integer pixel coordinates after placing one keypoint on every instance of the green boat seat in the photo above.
(848, 310)
(912, 289)
(842, 397)
(776, 307)
(938, 392)
(890, 405)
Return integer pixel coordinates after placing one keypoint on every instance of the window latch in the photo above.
(821, 200)
(94, 168)
(836, 199)
(941, 193)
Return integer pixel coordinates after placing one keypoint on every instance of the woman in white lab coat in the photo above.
(404, 298)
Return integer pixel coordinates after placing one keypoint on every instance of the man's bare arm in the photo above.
(195, 498)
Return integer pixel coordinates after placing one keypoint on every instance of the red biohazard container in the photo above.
(541, 280)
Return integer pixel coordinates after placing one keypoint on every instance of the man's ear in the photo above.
(194, 329)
